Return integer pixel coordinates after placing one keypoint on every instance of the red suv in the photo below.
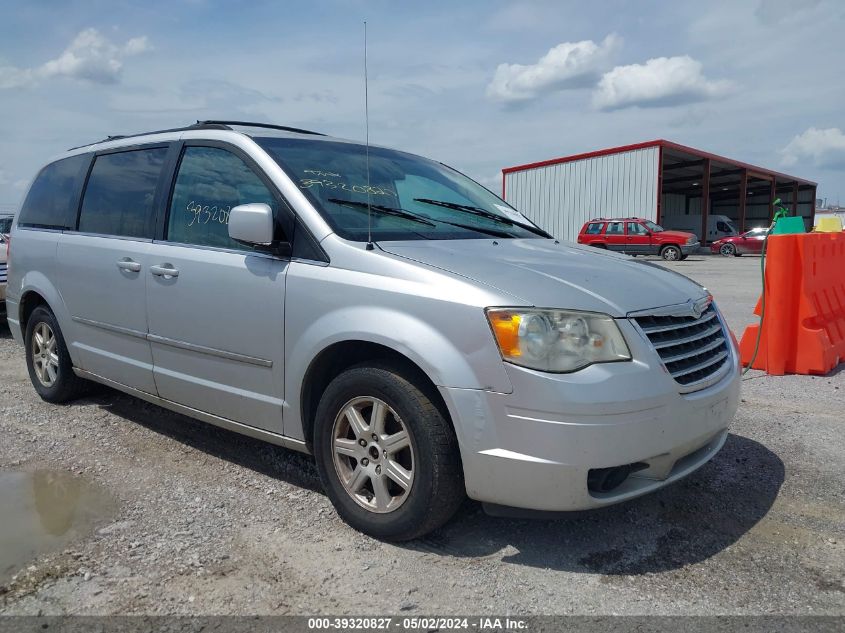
(637, 236)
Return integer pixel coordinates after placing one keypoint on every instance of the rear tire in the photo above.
(387, 457)
(670, 253)
(47, 359)
(727, 250)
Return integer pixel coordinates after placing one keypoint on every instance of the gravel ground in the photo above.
(208, 522)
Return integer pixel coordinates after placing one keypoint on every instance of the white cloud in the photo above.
(90, 57)
(11, 77)
(660, 81)
(825, 148)
(567, 65)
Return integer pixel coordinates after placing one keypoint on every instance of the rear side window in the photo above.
(120, 193)
(210, 182)
(52, 199)
(614, 228)
(593, 228)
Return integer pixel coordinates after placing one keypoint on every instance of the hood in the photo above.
(681, 236)
(542, 273)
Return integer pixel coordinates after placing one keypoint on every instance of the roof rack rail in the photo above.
(284, 128)
(201, 125)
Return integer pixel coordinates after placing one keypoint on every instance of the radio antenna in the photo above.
(367, 144)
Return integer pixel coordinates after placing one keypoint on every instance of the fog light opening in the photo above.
(607, 479)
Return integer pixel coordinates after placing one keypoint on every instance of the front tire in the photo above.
(47, 359)
(387, 457)
(671, 253)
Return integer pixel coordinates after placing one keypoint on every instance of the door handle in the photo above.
(128, 264)
(164, 270)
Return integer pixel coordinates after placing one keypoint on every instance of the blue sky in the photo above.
(478, 85)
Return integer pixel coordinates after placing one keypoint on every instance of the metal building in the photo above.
(652, 180)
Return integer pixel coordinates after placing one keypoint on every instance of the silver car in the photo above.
(418, 335)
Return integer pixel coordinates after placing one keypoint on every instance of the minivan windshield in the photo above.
(409, 197)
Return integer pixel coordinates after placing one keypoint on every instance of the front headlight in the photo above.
(691, 239)
(556, 340)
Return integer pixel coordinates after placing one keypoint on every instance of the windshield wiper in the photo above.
(399, 213)
(482, 213)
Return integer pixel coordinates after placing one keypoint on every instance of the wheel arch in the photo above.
(37, 289)
(30, 300)
(663, 247)
(340, 356)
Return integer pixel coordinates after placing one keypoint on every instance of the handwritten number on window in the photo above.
(374, 190)
(199, 213)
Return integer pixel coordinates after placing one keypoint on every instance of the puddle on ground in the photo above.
(43, 510)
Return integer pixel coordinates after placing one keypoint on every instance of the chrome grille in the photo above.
(692, 349)
(2, 273)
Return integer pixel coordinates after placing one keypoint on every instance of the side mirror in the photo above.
(252, 224)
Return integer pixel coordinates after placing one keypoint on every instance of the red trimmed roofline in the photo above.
(657, 143)
(594, 154)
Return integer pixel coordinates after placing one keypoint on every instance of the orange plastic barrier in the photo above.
(804, 326)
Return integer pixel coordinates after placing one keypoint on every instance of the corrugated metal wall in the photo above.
(561, 197)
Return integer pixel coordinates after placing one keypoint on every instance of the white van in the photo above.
(718, 226)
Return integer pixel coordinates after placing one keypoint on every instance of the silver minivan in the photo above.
(419, 336)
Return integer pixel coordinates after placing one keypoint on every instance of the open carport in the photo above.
(692, 180)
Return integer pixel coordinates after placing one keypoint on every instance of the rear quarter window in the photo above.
(52, 200)
(594, 228)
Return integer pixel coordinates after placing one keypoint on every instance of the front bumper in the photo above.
(533, 448)
(688, 249)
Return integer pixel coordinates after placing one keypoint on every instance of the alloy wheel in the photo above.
(373, 454)
(727, 250)
(45, 357)
(671, 254)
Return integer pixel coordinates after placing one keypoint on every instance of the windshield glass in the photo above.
(654, 228)
(411, 198)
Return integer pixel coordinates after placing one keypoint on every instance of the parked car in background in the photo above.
(637, 236)
(718, 226)
(6, 224)
(422, 338)
(4, 242)
(749, 243)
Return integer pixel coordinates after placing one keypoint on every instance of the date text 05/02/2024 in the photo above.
(425, 623)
